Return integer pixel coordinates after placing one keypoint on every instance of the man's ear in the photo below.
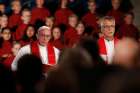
(37, 35)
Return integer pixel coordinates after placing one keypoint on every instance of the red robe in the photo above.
(20, 31)
(14, 20)
(128, 31)
(61, 16)
(6, 48)
(90, 19)
(69, 34)
(58, 44)
(8, 61)
(102, 46)
(117, 15)
(39, 13)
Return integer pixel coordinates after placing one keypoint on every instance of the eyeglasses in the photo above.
(108, 26)
(42, 35)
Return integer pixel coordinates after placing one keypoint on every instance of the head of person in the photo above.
(44, 35)
(30, 31)
(16, 47)
(49, 21)
(26, 15)
(63, 3)
(128, 18)
(80, 28)
(40, 3)
(115, 4)
(6, 34)
(72, 20)
(56, 33)
(2, 7)
(127, 53)
(92, 5)
(16, 6)
(108, 27)
(4, 21)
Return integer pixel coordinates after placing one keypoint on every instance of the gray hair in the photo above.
(110, 18)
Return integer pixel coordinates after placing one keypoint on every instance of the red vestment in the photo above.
(102, 47)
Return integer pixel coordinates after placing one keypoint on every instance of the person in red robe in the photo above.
(90, 18)
(29, 35)
(115, 12)
(71, 31)
(15, 18)
(128, 29)
(80, 28)
(62, 14)
(107, 42)
(39, 12)
(57, 39)
(5, 44)
(26, 16)
(15, 48)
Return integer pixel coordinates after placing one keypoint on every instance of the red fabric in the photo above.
(6, 48)
(39, 13)
(20, 31)
(8, 61)
(90, 19)
(102, 47)
(58, 44)
(23, 43)
(61, 16)
(51, 54)
(14, 20)
(69, 34)
(128, 31)
(50, 51)
(117, 15)
(74, 40)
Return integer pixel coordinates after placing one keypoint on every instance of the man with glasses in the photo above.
(107, 41)
(40, 48)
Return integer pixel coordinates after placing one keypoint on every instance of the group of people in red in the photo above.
(46, 41)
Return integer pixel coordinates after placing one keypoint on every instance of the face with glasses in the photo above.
(44, 36)
(108, 28)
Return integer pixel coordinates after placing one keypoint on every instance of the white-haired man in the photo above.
(41, 48)
(108, 41)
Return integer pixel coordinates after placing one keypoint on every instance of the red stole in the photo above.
(50, 51)
(102, 46)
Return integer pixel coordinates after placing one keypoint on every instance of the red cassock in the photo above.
(69, 34)
(8, 61)
(39, 13)
(102, 46)
(14, 20)
(58, 44)
(51, 55)
(6, 48)
(61, 16)
(20, 31)
(128, 31)
(117, 15)
(91, 19)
